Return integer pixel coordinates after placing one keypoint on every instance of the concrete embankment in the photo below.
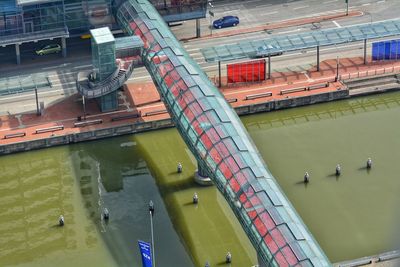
(130, 128)
(94, 134)
(350, 88)
(387, 259)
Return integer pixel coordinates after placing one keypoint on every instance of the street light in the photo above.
(347, 7)
(337, 69)
(151, 211)
(211, 13)
(370, 16)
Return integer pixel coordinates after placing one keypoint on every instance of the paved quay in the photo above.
(140, 103)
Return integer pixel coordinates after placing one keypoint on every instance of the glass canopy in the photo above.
(284, 43)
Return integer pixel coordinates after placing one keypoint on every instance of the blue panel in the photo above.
(393, 46)
(398, 50)
(381, 50)
(375, 49)
(387, 50)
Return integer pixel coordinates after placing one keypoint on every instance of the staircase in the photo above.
(90, 89)
(378, 84)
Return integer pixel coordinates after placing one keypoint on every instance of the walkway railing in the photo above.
(366, 73)
(110, 84)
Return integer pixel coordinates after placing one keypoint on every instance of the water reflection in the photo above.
(113, 175)
(35, 188)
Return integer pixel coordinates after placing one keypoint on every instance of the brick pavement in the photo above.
(143, 99)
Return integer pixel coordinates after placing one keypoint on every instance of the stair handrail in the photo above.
(106, 86)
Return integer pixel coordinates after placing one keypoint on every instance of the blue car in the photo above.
(227, 21)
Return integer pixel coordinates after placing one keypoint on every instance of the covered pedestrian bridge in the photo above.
(224, 151)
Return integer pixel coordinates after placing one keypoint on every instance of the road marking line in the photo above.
(300, 7)
(331, 1)
(296, 30)
(337, 24)
(367, 4)
(231, 11)
(270, 13)
(381, 2)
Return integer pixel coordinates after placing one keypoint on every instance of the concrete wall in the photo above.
(292, 102)
(84, 136)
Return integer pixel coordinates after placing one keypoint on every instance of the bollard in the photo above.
(106, 214)
(179, 168)
(195, 198)
(306, 177)
(61, 221)
(369, 163)
(338, 170)
(207, 264)
(228, 257)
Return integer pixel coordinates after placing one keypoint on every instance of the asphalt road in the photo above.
(62, 72)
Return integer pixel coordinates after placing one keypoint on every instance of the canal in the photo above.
(350, 216)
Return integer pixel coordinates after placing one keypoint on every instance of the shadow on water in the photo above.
(299, 183)
(365, 168)
(333, 175)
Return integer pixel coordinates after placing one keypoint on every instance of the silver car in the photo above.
(264, 51)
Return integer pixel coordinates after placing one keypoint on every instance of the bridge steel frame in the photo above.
(217, 138)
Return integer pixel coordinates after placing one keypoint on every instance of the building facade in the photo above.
(23, 21)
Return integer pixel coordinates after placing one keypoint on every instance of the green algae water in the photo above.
(357, 213)
(79, 181)
(209, 229)
(350, 216)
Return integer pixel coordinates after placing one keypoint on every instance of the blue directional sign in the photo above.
(145, 252)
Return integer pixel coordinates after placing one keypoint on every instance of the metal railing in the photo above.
(34, 36)
(112, 83)
(366, 73)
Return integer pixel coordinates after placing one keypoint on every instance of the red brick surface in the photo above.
(144, 98)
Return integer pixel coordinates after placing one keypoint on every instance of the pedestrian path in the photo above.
(141, 102)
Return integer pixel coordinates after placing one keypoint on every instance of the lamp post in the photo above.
(37, 101)
(151, 211)
(347, 7)
(337, 69)
(211, 13)
(369, 14)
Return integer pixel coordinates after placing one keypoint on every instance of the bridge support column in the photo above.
(64, 47)
(219, 74)
(269, 66)
(201, 176)
(18, 54)
(198, 28)
(317, 57)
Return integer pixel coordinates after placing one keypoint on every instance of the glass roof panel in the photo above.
(303, 40)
